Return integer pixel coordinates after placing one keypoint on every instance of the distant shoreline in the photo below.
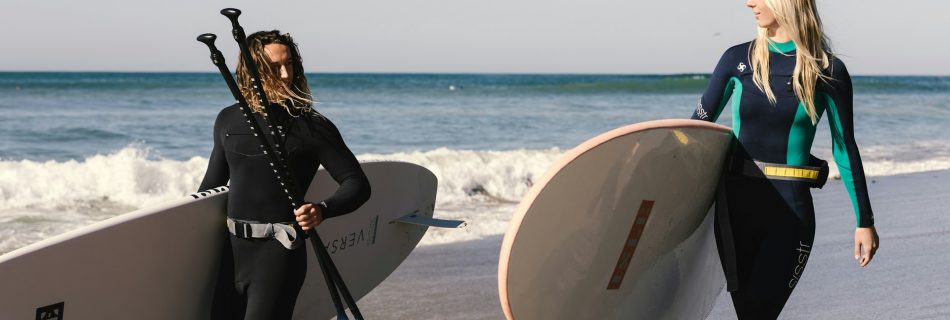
(356, 73)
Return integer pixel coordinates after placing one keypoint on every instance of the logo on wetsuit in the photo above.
(800, 267)
(700, 111)
(741, 67)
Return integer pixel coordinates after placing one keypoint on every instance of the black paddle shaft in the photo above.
(218, 59)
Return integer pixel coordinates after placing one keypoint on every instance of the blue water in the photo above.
(61, 116)
(81, 147)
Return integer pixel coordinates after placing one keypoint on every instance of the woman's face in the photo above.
(763, 14)
(280, 61)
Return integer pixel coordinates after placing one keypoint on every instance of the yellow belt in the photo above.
(776, 171)
(789, 172)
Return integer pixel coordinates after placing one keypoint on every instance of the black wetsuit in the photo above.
(773, 221)
(260, 278)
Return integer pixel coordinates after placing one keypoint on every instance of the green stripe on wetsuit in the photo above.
(840, 152)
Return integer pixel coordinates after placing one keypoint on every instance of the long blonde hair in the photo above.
(800, 19)
(295, 97)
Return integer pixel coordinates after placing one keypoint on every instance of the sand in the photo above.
(909, 278)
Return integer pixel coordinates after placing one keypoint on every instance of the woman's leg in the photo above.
(773, 225)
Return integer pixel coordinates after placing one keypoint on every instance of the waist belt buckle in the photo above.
(242, 230)
(822, 174)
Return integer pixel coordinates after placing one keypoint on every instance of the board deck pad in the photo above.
(161, 262)
(619, 228)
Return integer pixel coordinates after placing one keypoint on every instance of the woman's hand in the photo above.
(865, 245)
(308, 216)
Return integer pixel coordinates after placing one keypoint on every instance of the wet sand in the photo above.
(909, 277)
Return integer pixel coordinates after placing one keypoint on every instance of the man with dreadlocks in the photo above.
(261, 276)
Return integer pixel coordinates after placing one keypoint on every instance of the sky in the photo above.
(873, 37)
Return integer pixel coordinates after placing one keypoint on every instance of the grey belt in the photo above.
(285, 233)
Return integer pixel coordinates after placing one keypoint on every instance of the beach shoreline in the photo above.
(906, 280)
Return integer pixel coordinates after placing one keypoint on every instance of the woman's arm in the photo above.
(721, 84)
(848, 160)
(845, 149)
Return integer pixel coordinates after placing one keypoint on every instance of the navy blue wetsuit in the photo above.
(772, 222)
(260, 278)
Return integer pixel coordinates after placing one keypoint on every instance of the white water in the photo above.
(42, 199)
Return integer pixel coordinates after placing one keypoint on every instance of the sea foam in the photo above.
(41, 199)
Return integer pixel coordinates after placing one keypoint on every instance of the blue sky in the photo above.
(470, 36)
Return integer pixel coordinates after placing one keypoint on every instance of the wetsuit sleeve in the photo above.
(845, 150)
(342, 165)
(218, 171)
(718, 91)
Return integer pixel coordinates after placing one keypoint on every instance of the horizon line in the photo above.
(441, 73)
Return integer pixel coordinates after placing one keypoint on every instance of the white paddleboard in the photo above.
(619, 228)
(368, 244)
(161, 262)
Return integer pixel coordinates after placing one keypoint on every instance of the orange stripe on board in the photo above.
(631, 245)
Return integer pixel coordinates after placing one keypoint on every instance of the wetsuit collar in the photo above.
(781, 47)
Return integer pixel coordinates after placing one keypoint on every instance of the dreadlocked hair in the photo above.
(295, 97)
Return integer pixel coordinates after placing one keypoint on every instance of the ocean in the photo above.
(81, 147)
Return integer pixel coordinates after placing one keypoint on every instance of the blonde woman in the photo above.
(261, 273)
(780, 85)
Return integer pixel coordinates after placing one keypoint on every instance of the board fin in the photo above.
(418, 219)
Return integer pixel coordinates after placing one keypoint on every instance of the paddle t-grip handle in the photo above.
(208, 39)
